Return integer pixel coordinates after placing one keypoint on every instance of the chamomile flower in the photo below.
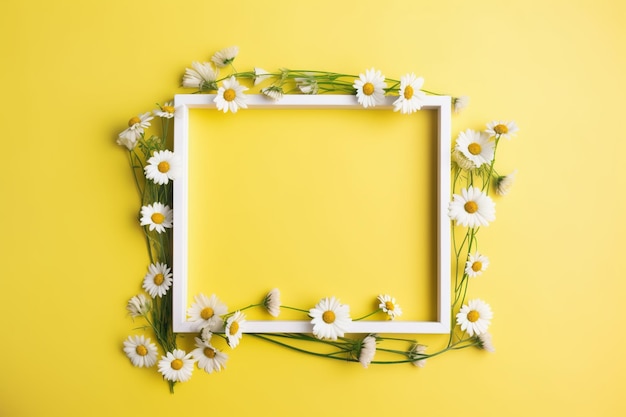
(504, 183)
(272, 302)
(462, 161)
(260, 75)
(158, 280)
(166, 111)
(176, 366)
(206, 312)
(476, 147)
(307, 85)
(370, 88)
(476, 264)
(206, 334)
(502, 129)
(410, 97)
(157, 217)
(135, 130)
(460, 103)
(139, 305)
(367, 351)
(209, 358)
(330, 319)
(485, 342)
(274, 92)
(202, 76)
(230, 96)
(162, 167)
(225, 57)
(417, 353)
(474, 317)
(472, 208)
(234, 327)
(140, 351)
(388, 305)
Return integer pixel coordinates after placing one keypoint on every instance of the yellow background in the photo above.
(73, 72)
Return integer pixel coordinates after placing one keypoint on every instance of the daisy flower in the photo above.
(206, 334)
(162, 167)
(166, 111)
(307, 85)
(273, 92)
(370, 88)
(388, 305)
(476, 264)
(156, 216)
(225, 57)
(206, 312)
(158, 279)
(368, 350)
(202, 76)
(139, 305)
(504, 183)
(417, 353)
(472, 208)
(233, 330)
(501, 129)
(260, 75)
(476, 147)
(209, 358)
(474, 317)
(140, 351)
(484, 341)
(330, 319)
(230, 96)
(176, 366)
(462, 161)
(135, 130)
(410, 96)
(460, 103)
(272, 302)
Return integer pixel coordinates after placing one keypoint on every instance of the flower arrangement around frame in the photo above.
(155, 167)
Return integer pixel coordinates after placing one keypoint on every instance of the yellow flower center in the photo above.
(368, 89)
(158, 279)
(474, 148)
(168, 109)
(163, 166)
(134, 121)
(328, 316)
(408, 92)
(471, 207)
(209, 353)
(389, 305)
(234, 328)
(501, 129)
(229, 95)
(157, 218)
(176, 364)
(477, 266)
(141, 350)
(473, 316)
(207, 313)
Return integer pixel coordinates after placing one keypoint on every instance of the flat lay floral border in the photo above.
(155, 167)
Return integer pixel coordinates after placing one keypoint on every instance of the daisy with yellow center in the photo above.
(476, 264)
(141, 351)
(158, 280)
(157, 217)
(230, 96)
(388, 305)
(202, 76)
(502, 129)
(474, 317)
(472, 208)
(206, 313)
(166, 111)
(330, 319)
(209, 358)
(225, 56)
(370, 88)
(476, 147)
(162, 167)
(410, 97)
(135, 130)
(367, 350)
(176, 366)
(234, 328)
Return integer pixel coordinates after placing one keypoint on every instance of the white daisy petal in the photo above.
(230, 96)
(476, 147)
(370, 88)
(472, 208)
(162, 167)
(176, 366)
(141, 351)
(234, 327)
(502, 129)
(330, 319)
(476, 264)
(388, 305)
(474, 317)
(209, 358)
(157, 217)
(158, 280)
(410, 96)
(206, 312)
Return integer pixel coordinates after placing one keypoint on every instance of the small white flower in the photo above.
(476, 147)
(460, 103)
(230, 96)
(504, 183)
(273, 92)
(502, 129)
(370, 88)
(462, 161)
(166, 111)
(162, 167)
(272, 302)
(139, 305)
(158, 280)
(234, 327)
(388, 305)
(472, 208)
(225, 57)
(410, 97)
(368, 350)
(330, 319)
(140, 351)
(260, 75)
(206, 312)
(206, 334)
(474, 317)
(157, 217)
(209, 358)
(176, 366)
(135, 130)
(202, 76)
(484, 341)
(417, 353)
(476, 264)
(307, 85)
